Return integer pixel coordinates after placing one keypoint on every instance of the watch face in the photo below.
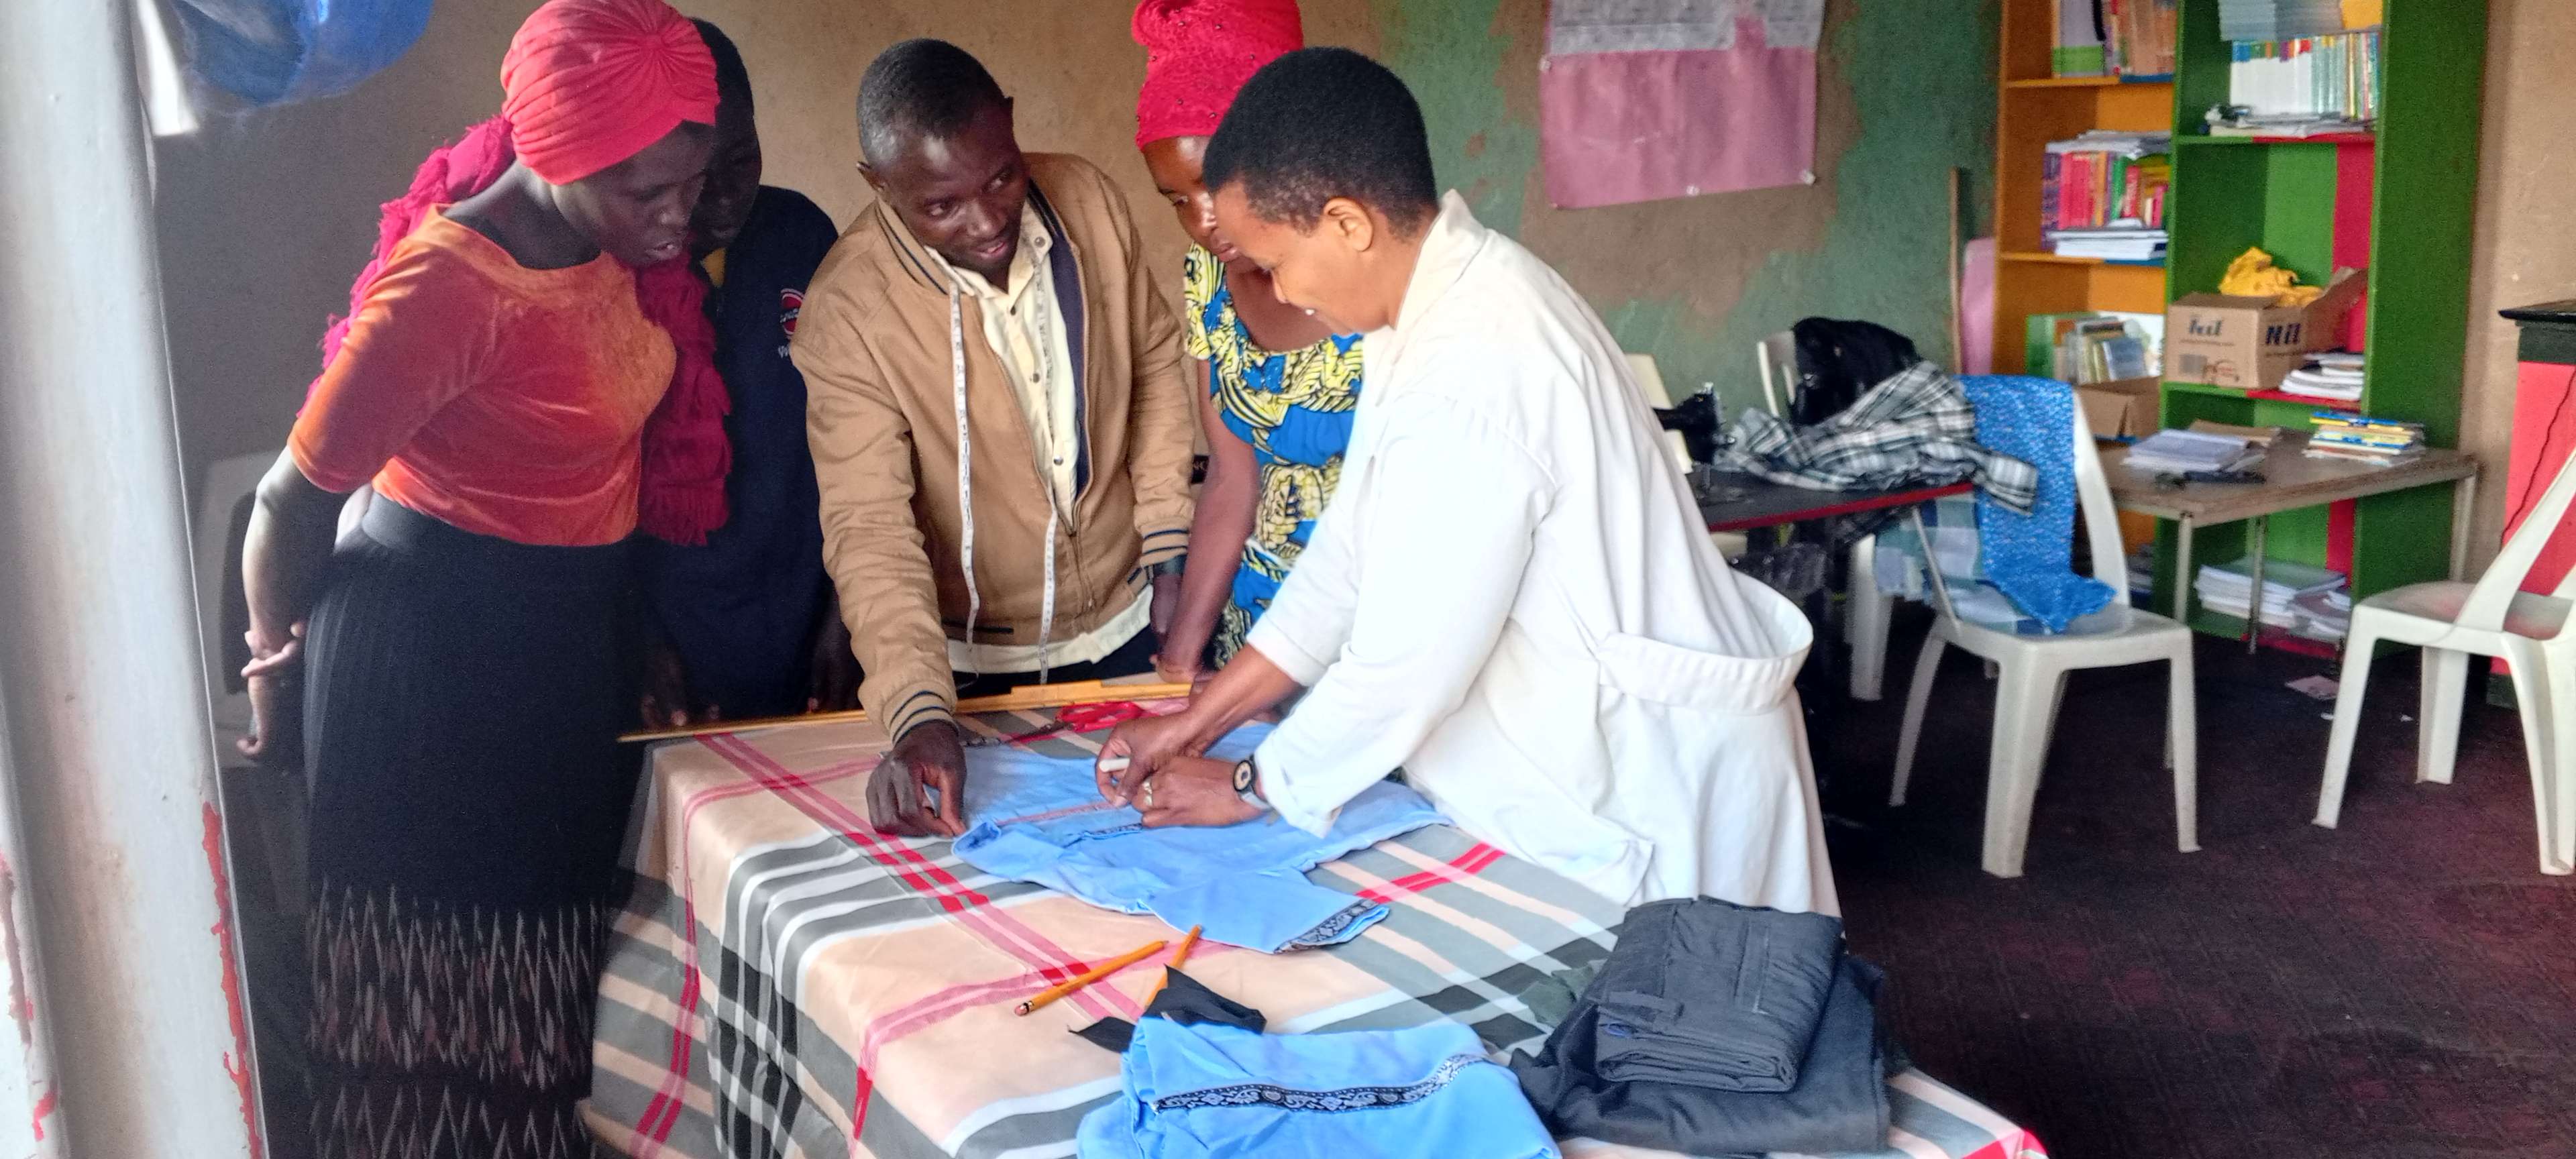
(1243, 777)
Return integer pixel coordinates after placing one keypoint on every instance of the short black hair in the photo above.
(732, 79)
(1321, 123)
(920, 86)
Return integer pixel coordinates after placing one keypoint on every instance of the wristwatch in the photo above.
(1246, 782)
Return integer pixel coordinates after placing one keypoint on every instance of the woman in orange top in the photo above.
(463, 670)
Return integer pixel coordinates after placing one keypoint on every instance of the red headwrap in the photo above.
(1199, 53)
(588, 84)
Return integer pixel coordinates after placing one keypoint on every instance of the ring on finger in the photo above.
(1148, 794)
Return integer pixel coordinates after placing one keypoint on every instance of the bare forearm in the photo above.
(1246, 687)
(1217, 532)
(284, 552)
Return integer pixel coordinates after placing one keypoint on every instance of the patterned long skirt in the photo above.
(462, 701)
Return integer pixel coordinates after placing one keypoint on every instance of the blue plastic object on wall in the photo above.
(270, 52)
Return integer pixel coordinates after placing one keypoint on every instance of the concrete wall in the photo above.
(266, 216)
(2526, 227)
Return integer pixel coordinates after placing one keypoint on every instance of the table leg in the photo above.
(2464, 501)
(2254, 613)
(2182, 570)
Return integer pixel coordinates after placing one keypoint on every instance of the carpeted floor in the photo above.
(2402, 986)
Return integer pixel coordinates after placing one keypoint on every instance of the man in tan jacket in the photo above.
(1000, 421)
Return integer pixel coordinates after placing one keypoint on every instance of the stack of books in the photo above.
(2103, 195)
(2325, 615)
(2229, 588)
(2177, 451)
(2301, 87)
(2088, 347)
(2123, 38)
(2347, 436)
(2278, 19)
(2333, 376)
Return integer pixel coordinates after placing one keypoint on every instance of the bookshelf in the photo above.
(2315, 204)
(2397, 202)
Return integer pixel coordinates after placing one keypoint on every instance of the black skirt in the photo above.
(462, 700)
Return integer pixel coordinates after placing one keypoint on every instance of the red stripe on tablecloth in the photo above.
(2023, 1146)
(663, 1113)
(1001, 930)
(1472, 862)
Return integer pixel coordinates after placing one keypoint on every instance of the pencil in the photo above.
(1179, 956)
(1089, 976)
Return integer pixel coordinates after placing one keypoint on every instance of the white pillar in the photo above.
(108, 753)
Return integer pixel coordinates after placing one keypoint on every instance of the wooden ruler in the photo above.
(1027, 699)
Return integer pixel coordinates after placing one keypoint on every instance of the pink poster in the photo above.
(1647, 99)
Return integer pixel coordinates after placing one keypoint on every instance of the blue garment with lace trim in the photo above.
(2029, 557)
(1205, 1091)
(1245, 885)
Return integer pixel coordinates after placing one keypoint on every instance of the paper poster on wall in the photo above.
(1641, 100)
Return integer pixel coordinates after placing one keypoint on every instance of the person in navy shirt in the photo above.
(747, 622)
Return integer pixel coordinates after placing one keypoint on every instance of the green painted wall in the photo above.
(1906, 96)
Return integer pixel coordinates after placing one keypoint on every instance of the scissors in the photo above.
(1073, 718)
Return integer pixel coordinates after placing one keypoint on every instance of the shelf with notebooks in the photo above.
(2070, 68)
(2385, 185)
(2320, 139)
(2290, 141)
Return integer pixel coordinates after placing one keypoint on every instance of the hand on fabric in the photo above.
(833, 685)
(1192, 791)
(665, 703)
(1147, 746)
(928, 757)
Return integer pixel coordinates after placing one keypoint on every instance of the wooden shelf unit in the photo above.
(2310, 202)
(2033, 109)
(2315, 205)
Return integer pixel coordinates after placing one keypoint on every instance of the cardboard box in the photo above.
(2124, 409)
(2249, 343)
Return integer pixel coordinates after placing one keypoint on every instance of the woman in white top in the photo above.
(1511, 597)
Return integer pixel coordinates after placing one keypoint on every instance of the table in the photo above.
(1733, 501)
(1744, 502)
(2291, 480)
(787, 980)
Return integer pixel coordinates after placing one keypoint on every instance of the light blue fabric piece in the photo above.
(1044, 822)
(1206, 1091)
(2029, 557)
(1952, 522)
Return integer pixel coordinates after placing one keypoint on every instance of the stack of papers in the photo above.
(2325, 615)
(2278, 19)
(2110, 245)
(2335, 377)
(2180, 451)
(2229, 588)
(2348, 436)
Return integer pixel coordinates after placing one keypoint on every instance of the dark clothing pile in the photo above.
(1718, 1030)
(1837, 360)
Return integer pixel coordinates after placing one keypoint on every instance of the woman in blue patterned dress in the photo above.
(1279, 388)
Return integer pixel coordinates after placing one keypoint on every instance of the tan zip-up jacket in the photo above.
(878, 352)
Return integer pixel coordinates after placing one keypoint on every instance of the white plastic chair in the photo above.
(1776, 357)
(2451, 621)
(2034, 669)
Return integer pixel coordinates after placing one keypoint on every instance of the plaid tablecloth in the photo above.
(787, 982)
